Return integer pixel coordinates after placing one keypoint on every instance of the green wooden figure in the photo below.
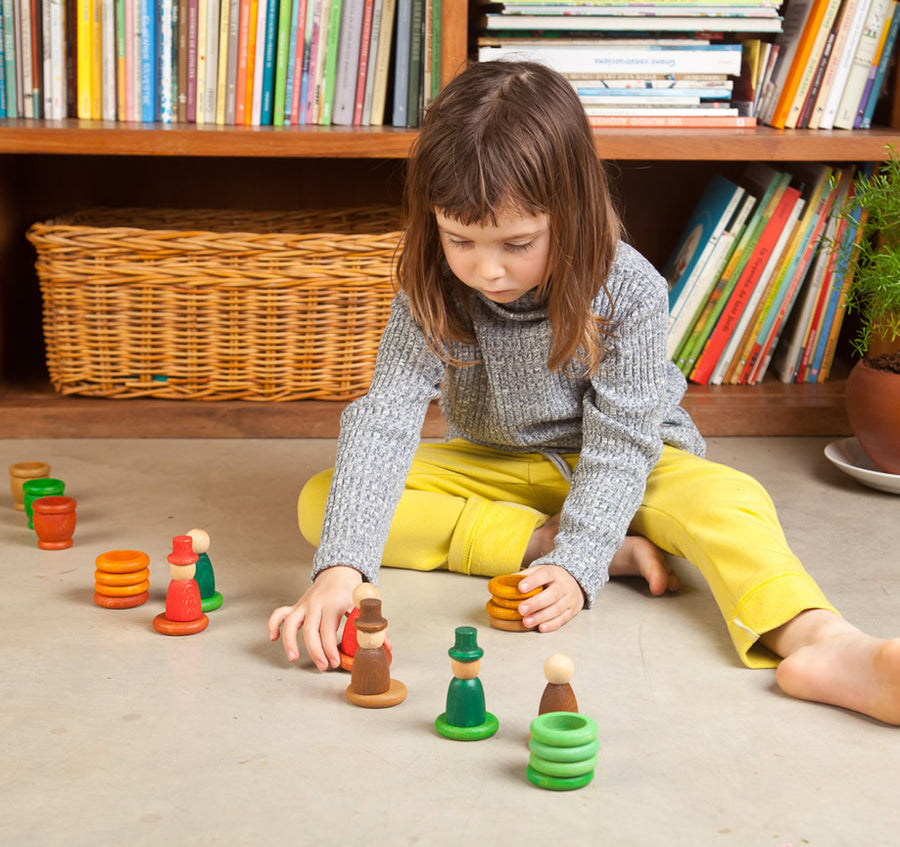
(210, 599)
(465, 717)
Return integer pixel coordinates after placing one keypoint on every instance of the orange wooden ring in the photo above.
(496, 611)
(122, 590)
(162, 624)
(121, 602)
(122, 561)
(116, 579)
(509, 626)
(507, 586)
(503, 603)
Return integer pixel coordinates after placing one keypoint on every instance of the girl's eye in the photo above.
(520, 248)
(459, 245)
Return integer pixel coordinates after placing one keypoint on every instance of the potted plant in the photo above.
(873, 294)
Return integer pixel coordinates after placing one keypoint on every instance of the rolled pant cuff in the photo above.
(768, 606)
(491, 537)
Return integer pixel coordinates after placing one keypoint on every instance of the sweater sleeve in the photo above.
(378, 438)
(622, 424)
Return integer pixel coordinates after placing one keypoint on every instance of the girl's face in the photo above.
(503, 262)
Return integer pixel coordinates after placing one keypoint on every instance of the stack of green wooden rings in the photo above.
(564, 749)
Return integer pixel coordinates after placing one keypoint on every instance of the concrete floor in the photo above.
(112, 734)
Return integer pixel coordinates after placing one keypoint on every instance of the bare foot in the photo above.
(639, 557)
(842, 666)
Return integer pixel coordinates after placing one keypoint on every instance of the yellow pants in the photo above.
(462, 510)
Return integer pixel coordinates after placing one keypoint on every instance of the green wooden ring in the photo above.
(557, 783)
(566, 769)
(211, 603)
(564, 754)
(564, 729)
(467, 733)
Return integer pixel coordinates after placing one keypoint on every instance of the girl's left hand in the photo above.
(559, 602)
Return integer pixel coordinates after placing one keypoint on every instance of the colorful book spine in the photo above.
(282, 115)
(401, 62)
(382, 62)
(329, 71)
(371, 67)
(865, 120)
(9, 56)
(243, 58)
(231, 66)
(149, 86)
(267, 91)
(362, 71)
(347, 65)
(167, 61)
(222, 61)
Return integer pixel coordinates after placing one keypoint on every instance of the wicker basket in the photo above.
(211, 305)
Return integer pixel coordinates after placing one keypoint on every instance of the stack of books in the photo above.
(758, 279)
(834, 57)
(251, 62)
(657, 63)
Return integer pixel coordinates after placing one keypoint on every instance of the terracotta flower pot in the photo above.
(54, 522)
(873, 407)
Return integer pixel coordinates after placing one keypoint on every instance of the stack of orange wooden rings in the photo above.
(502, 608)
(122, 579)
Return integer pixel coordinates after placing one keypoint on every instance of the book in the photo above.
(231, 62)
(382, 63)
(317, 61)
(865, 120)
(254, 104)
(210, 78)
(200, 72)
(799, 63)
(621, 23)
(414, 86)
(287, 16)
(362, 71)
(401, 62)
(818, 78)
(737, 270)
(167, 37)
(222, 61)
(685, 264)
(85, 50)
(250, 71)
(305, 17)
(243, 58)
(149, 85)
(605, 57)
(728, 361)
(9, 56)
(329, 71)
(861, 64)
(347, 64)
(267, 88)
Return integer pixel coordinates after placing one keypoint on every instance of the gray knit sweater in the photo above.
(618, 420)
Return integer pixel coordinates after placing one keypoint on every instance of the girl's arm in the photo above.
(623, 412)
(378, 438)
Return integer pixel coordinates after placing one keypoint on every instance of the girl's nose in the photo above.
(490, 268)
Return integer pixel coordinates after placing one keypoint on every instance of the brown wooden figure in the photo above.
(370, 680)
(558, 694)
(349, 641)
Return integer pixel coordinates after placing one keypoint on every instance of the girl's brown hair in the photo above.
(511, 135)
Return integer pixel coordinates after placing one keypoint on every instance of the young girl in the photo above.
(543, 335)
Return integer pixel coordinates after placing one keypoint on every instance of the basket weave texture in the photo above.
(213, 305)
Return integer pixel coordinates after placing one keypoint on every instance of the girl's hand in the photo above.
(559, 602)
(318, 614)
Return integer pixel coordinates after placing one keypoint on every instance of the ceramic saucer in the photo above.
(847, 455)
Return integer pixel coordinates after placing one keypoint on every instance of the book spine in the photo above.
(211, 87)
(401, 62)
(148, 61)
(330, 68)
(222, 61)
(861, 64)
(347, 62)
(414, 86)
(362, 72)
(167, 36)
(881, 72)
(382, 61)
(231, 68)
(282, 115)
(268, 72)
(845, 62)
(243, 58)
(85, 31)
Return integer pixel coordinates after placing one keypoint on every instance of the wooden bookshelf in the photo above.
(52, 167)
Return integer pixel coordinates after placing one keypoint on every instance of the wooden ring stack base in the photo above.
(563, 749)
(122, 579)
(164, 625)
(395, 695)
(502, 608)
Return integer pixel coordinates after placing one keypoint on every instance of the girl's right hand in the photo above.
(318, 614)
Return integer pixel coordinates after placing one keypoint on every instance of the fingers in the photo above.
(559, 601)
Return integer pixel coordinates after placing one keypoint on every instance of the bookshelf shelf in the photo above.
(77, 137)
